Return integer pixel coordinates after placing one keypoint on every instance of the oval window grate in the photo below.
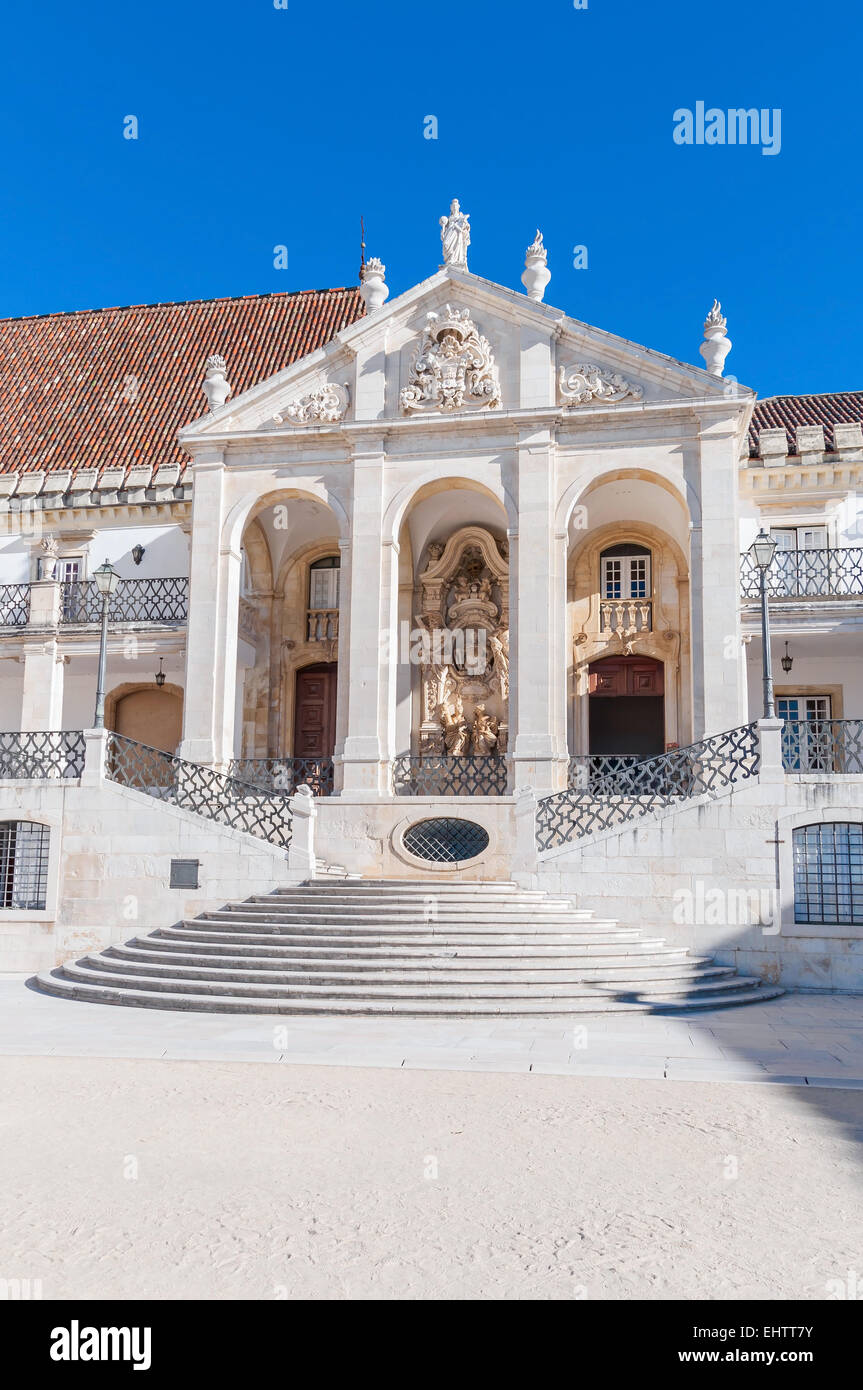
(446, 840)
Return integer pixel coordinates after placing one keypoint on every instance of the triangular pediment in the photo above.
(457, 345)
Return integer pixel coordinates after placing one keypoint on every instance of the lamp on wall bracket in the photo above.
(787, 660)
(160, 677)
(138, 553)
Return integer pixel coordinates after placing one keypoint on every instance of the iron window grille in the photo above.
(24, 865)
(446, 840)
(828, 873)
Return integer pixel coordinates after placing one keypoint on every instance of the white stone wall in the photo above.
(111, 852)
(703, 875)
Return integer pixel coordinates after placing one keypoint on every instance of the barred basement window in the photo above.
(828, 872)
(23, 864)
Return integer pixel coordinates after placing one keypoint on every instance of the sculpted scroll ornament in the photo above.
(453, 367)
(325, 406)
(583, 382)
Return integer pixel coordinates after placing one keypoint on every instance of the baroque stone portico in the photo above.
(448, 557)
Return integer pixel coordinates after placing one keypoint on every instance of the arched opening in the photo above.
(289, 631)
(626, 700)
(453, 688)
(147, 713)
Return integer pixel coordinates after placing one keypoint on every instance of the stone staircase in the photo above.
(410, 949)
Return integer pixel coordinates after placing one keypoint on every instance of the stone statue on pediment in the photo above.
(455, 235)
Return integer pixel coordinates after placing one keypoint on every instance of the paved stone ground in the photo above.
(126, 1178)
(798, 1039)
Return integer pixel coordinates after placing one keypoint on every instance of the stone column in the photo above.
(369, 644)
(715, 586)
(42, 702)
(538, 622)
(211, 638)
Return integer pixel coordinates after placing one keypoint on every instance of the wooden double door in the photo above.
(627, 705)
(315, 711)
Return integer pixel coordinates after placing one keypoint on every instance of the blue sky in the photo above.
(261, 127)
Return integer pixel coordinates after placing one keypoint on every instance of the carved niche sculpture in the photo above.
(584, 382)
(464, 607)
(453, 368)
(325, 406)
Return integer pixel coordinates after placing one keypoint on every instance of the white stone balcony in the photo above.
(625, 616)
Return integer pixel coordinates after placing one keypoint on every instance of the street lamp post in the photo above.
(761, 553)
(107, 580)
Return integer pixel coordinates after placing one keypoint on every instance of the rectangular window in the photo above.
(324, 589)
(23, 865)
(626, 576)
(828, 873)
(808, 735)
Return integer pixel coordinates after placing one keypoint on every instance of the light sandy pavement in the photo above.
(264, 1182)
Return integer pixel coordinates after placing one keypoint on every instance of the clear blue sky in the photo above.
(260, 126)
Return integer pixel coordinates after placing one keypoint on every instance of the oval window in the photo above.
(446, 840)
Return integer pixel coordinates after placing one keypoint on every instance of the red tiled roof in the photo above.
(786, 412)
(65, 397)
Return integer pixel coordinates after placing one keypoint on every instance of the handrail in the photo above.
(42, 753)
(836, 573)
(823, 745)
(627, 794)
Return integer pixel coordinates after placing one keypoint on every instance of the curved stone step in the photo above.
(450, 975)
(146, 949)
(174, 983)
(325, 945)
(97, 993)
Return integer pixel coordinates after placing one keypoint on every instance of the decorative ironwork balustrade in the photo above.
(823, 745)
(42, 753)
(834, 573)
(133, 601)
(322, 625)
(599, 773)
(14, 605)
(625, 616)
(285, 774)
(650, 784)
(442, 776)
(200, 789)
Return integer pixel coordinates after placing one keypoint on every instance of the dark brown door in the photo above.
(627, 706)
(315, 717)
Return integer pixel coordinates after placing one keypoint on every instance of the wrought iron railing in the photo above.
(14, 605)
(134, 601)
(285, 774)
(823, 745)
(197, 788)
(442, 776)
(704, 769)
(47, 753)
(599, 773)
(806, 574)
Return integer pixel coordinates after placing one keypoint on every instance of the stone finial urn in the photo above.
(216, 386)
(373, 289)
(536, 274)
(716, 346)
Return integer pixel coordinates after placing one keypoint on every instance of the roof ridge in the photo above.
(178, 303)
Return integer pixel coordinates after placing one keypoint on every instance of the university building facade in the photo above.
(447, 587)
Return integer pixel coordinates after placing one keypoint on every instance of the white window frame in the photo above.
(628, 580)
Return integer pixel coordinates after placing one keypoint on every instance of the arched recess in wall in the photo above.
(147, 713)
(453, 580)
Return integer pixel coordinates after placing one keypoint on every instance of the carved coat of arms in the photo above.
(453, 367)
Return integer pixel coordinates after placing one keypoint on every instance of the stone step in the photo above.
(144, 949)
(352, 941)
(274, 947)
(64, 987)
(173, 983)
(387, 926)
(451, 975)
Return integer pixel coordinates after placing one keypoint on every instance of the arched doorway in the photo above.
(315, 710)
(627, 705)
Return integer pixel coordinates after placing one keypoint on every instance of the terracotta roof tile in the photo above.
(111, 387)
(786, 412)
